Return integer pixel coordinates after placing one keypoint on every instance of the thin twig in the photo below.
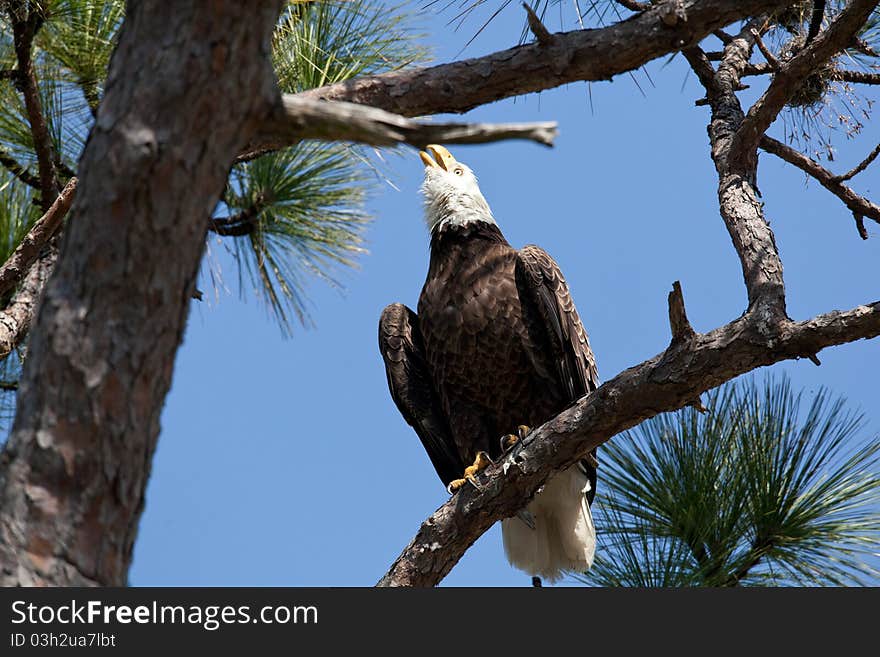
(17, 170)
(860, 225)
(769, 56)
(864, 47)
(852, 173)
(241, 223)
(858, 205)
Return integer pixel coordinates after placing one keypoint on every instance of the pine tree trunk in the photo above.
(188, 85)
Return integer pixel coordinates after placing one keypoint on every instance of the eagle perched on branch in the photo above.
(497, 347)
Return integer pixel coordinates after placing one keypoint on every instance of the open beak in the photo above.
(437, 156)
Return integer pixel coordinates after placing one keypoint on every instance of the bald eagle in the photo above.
(496, 347)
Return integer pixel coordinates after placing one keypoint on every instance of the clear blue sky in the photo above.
(285, 462)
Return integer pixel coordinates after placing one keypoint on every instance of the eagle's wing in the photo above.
(402, 349)
(542, 286)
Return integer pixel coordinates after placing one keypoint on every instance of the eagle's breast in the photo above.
(479, 348)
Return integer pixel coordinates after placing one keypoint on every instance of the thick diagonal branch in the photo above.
(738, 195)
(667, 382)
(38, 236)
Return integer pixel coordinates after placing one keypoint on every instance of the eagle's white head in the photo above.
(452, 195)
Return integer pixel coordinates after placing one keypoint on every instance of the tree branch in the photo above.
(856, 77)
(18, 170)
(579, 55)
(861, 166)
(681, 328)
(634, 5)
(25, 25)
(16, 318)
(792, 74)
(737, 189)
(38, 236)
(769, 56)
(858, 205)
(239, 224)
(542, 34)
(667, 382)
(300, 118)
(761, 68)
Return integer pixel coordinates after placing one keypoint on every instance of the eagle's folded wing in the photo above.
(542, 286)
(400, 343)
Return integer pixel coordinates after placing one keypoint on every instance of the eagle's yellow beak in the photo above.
(441, 157)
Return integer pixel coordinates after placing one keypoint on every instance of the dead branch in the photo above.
(300, 118)
(678, 322)
(542, 34)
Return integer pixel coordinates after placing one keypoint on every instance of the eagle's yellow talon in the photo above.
(508, 441)
(481, 462)
(454, 485)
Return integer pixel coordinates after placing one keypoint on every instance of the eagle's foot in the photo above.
(510, 440)
(481, 462)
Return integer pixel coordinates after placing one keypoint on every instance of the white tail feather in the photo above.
(564, 538)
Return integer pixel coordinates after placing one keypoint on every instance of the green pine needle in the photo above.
(308, 225)
(758, 491)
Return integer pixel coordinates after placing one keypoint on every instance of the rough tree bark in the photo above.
(102, 351)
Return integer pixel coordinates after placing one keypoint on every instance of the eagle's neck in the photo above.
(445, 209)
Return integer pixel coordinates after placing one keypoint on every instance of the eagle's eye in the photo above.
(458, 171)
